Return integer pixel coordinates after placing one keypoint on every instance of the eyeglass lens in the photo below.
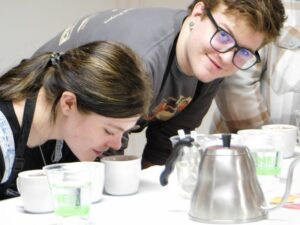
(224, 42)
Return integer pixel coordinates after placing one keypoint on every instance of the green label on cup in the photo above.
(72, 211)
(267, 162)
(71, 201)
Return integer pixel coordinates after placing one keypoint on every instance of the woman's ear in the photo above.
(68, 102)
(198, 9)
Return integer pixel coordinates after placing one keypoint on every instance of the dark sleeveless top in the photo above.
(26, 158)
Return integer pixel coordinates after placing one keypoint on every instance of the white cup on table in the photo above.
(287, 137)
(122, 174)
(97, 170)
(35, 192)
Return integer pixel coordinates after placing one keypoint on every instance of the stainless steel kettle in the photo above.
(227, 189)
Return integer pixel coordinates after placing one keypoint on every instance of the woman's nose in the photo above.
(115, 143)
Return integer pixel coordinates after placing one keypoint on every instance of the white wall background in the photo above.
(27, 24)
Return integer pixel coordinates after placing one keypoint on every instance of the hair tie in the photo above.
(55, 58)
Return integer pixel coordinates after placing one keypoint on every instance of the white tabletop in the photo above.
(153, 204)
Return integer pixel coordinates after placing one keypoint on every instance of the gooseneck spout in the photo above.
(288, 186)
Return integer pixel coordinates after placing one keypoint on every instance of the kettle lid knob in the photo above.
(226, 138)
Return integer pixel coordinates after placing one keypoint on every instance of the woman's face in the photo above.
(200, 59)
(89, 135)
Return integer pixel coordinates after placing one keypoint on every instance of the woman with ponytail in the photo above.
(87, 97)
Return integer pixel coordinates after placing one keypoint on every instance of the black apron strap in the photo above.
(24, 133)
(142, 123)
(170, 61)
(21, 146)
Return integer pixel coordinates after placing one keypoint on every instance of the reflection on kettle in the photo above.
(227, 188)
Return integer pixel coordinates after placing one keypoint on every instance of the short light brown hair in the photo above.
(264, 16)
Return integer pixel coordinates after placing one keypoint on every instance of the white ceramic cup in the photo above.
(35, 192)
(97, 179)
(288, 137)
(254, 138)
(121, 174)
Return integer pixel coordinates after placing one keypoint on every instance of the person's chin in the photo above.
(86, 157)
(204, 74)
(206, 77)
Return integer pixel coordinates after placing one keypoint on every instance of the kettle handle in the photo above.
(170, 162)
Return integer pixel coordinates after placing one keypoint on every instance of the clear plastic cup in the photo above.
(70, 185)
(187, 164)
(266, 151)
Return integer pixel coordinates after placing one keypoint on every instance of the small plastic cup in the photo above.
(70, 185)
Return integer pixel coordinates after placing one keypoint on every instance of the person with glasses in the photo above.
(269, 92)
(186, 52)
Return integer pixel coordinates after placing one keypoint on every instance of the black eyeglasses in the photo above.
(222, 42)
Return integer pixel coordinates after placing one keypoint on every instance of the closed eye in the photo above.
(108, 132)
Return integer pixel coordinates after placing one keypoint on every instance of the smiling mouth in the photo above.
(213, 62)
